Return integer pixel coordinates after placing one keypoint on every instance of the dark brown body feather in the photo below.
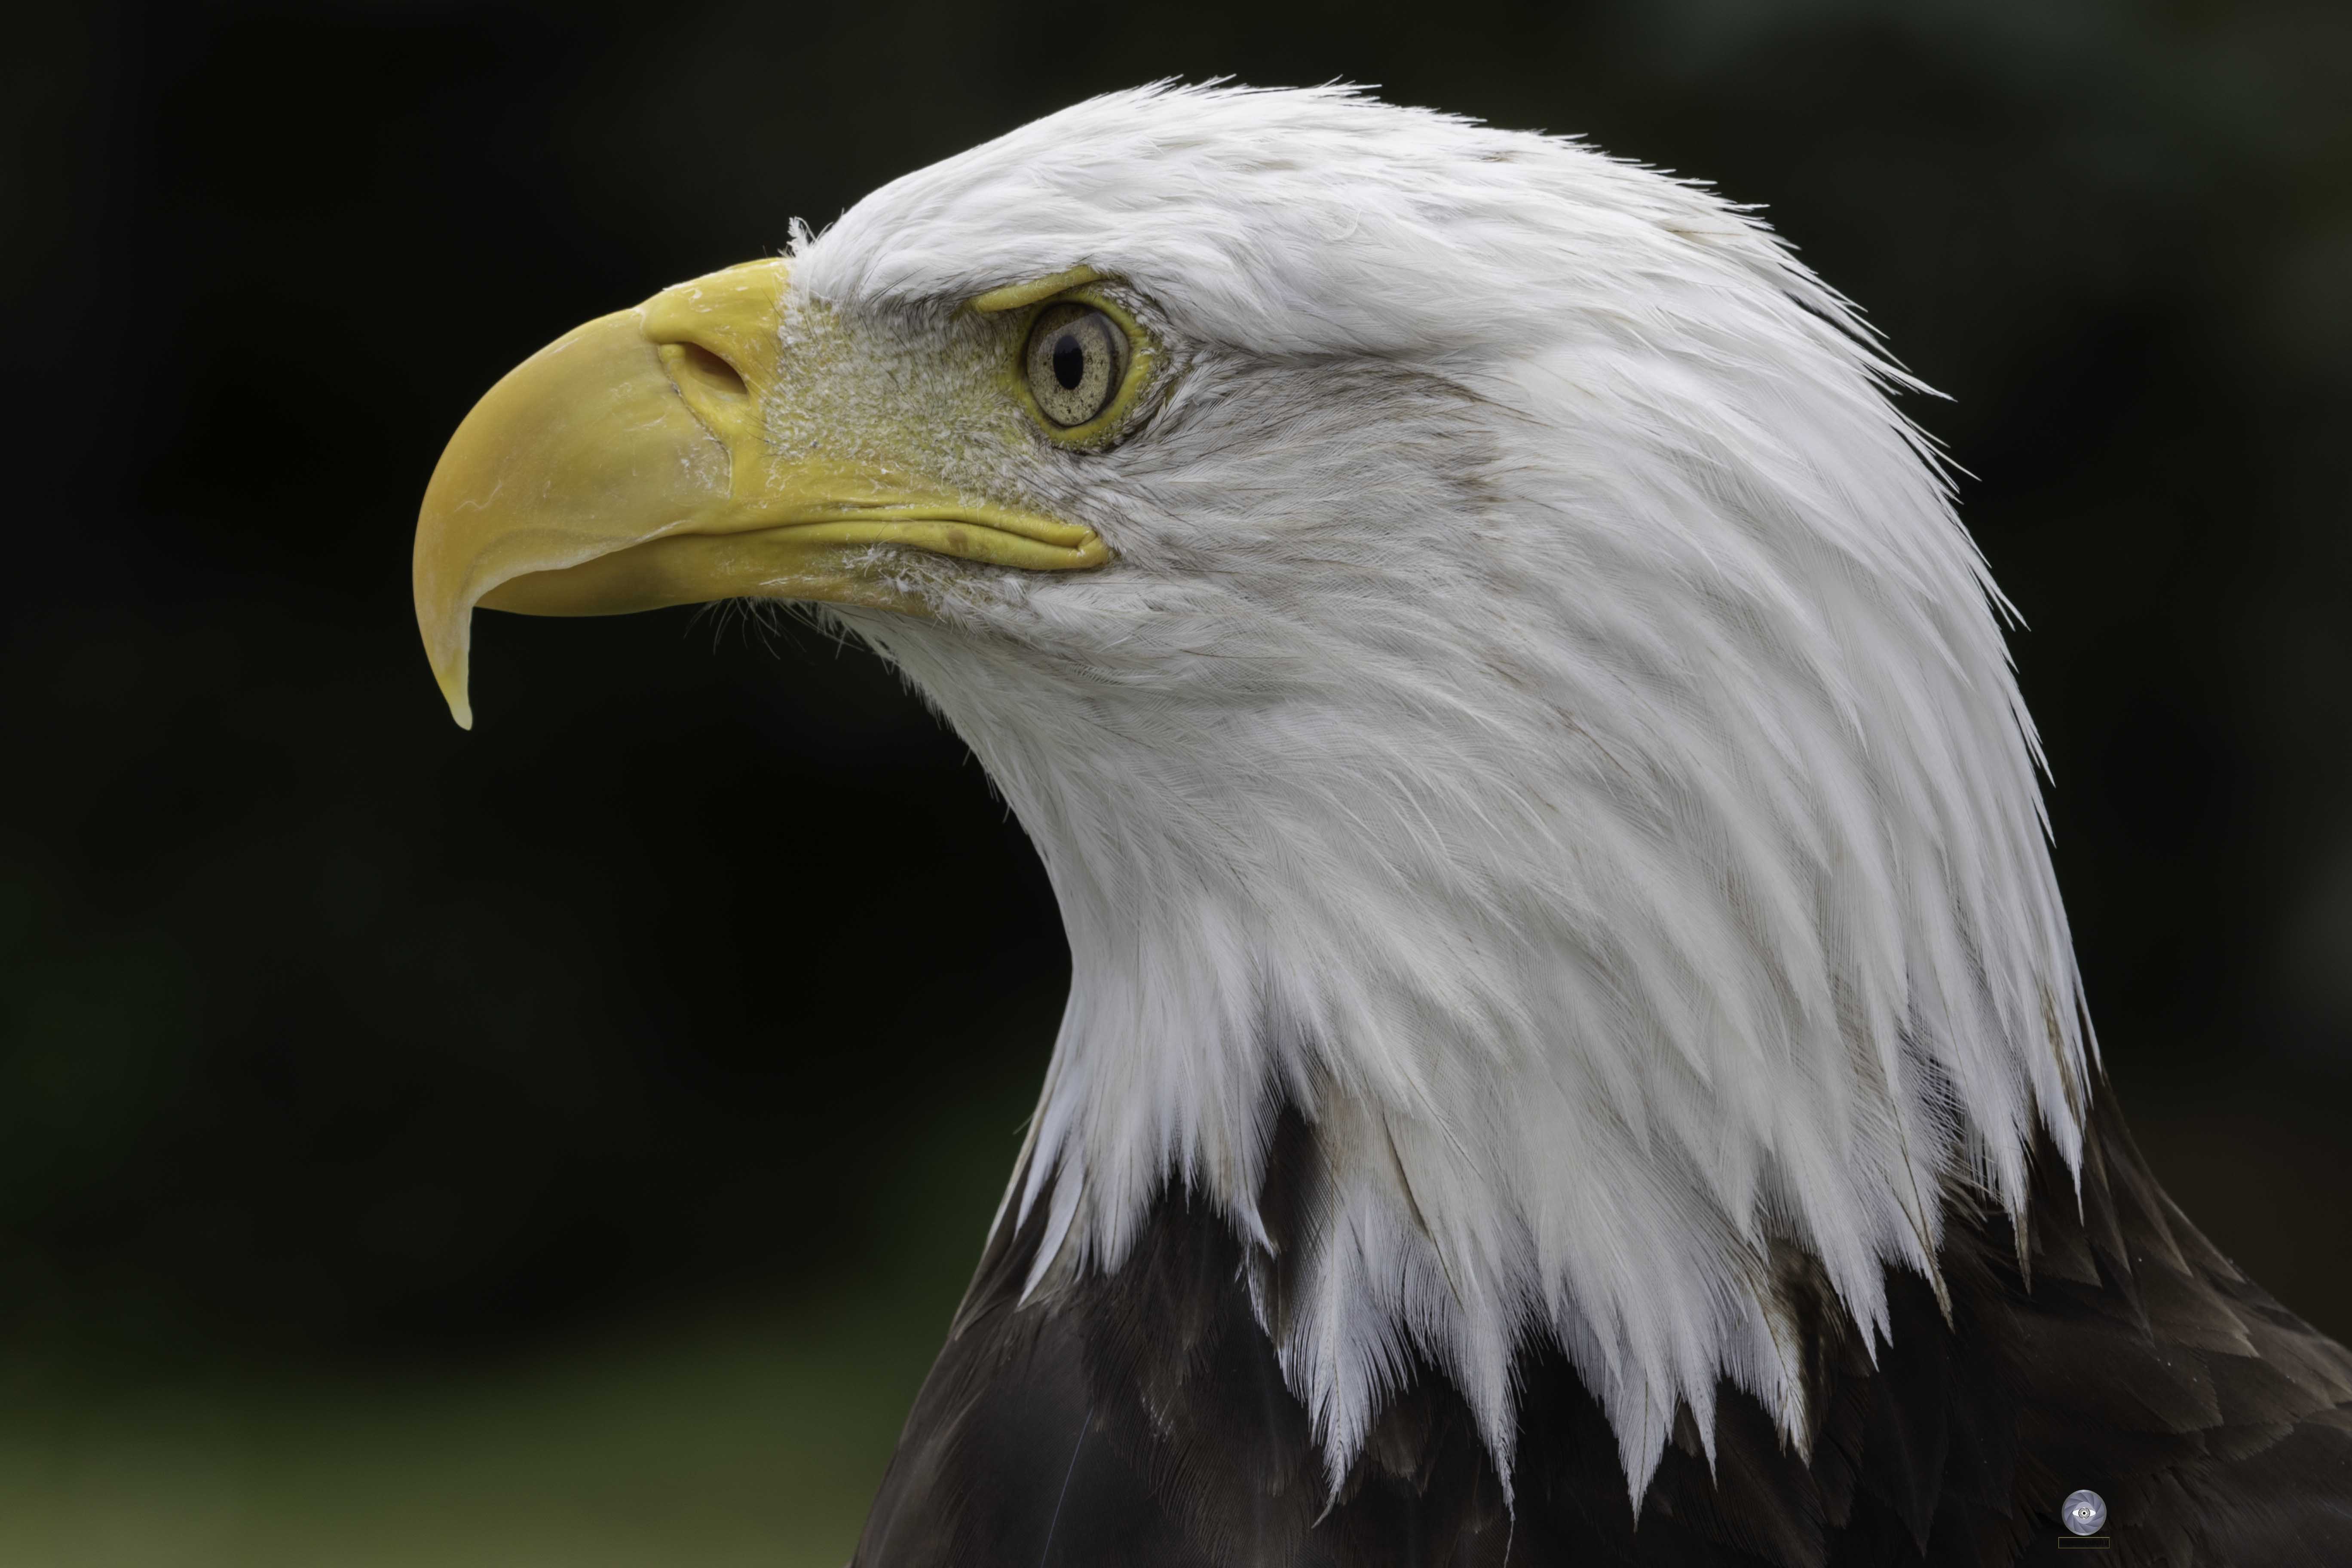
(1140, 1421)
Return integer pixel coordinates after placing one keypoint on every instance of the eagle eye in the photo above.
(1075, 363)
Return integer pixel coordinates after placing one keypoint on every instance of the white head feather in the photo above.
(1545, 720)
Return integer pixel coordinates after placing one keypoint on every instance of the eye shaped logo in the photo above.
(2084, 1511)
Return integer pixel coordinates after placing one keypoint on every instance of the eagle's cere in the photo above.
(1549, 840)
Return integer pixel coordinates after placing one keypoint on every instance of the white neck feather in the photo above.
(1593, 791)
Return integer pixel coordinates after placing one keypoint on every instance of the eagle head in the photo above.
(1485, 666)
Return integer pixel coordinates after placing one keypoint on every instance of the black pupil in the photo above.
(1069, 362)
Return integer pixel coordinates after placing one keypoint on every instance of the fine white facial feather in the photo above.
(1545, 720)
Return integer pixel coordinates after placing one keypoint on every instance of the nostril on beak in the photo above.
(714, 372)
(710, 372)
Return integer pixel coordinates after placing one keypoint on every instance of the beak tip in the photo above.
(453, 686)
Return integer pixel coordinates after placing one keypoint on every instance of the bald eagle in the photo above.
(1574, 1052)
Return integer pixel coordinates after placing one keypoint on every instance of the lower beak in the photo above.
(624, 467)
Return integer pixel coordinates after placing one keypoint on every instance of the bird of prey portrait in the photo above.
(1574, 1052)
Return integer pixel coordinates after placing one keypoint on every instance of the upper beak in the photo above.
(625, 466)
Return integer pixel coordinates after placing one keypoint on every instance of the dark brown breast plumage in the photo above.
(1140, 1420)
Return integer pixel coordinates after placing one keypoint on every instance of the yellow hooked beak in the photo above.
(625, 466)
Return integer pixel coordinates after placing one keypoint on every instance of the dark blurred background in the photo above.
(564, 1142)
